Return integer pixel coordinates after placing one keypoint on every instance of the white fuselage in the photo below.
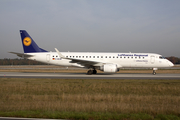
(106, 62)
(122, 60)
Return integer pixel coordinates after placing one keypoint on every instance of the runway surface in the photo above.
(84, 76)
(14, 118)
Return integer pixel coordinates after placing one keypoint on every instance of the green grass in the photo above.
(90, 99)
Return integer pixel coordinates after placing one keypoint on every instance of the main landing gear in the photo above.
(154, 71)
(90, 72)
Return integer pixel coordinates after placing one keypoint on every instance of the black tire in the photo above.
(154, 73)
(89, 72)
(94, 71)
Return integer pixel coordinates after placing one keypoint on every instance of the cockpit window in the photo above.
(161, 57)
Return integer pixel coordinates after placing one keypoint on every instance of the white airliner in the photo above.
(106, 62)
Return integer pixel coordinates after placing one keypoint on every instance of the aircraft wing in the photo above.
(21, 54)
(86, 63)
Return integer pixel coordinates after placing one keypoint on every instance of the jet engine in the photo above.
(109, 68)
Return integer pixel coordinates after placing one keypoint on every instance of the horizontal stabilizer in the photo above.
(22, 55)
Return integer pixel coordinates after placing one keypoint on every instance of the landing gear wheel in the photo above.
(154, 72)
(94, 71)
(90, 72)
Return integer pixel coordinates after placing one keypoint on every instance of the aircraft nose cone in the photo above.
(171, 64)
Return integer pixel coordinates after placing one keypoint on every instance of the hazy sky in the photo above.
(92, 25)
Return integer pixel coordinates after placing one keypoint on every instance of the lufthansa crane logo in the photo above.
(27, 41)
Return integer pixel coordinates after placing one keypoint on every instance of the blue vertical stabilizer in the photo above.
(28, 43)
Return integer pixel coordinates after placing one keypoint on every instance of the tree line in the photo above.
(17, 61)
(174, 60)
(20, 61)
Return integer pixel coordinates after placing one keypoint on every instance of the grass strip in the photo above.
(90, 98)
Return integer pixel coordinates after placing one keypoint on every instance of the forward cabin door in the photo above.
(152, 59)
(48, 57)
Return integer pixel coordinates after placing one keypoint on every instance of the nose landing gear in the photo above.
(154, 71)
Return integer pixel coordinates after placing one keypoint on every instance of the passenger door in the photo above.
(152, 59)
(48, 57)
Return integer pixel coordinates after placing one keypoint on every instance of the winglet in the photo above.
(60, 55)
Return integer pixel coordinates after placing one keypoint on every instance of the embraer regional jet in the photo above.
(106, 62)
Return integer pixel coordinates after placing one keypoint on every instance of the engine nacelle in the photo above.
(109, 68)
